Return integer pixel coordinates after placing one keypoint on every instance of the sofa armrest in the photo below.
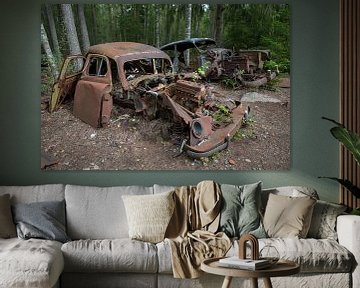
(348, 230)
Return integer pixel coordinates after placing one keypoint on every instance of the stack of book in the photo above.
(248, 264)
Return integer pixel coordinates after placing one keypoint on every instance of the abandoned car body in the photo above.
(141, 77)
(246, 66)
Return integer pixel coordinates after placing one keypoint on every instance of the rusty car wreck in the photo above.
(141, 77)
(245, 66)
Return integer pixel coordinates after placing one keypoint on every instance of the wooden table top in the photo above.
(281, 268)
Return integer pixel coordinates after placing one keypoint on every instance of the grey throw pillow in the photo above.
(240, 213)
(323, 222)
(44, 220)
(7, 226)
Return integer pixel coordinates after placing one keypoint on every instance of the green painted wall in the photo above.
(315, 74)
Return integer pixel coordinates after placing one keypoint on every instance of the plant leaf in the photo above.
(347, 184)
(349, 139)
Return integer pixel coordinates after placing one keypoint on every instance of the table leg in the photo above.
(254, 282)
(227, 282)
(267, 283)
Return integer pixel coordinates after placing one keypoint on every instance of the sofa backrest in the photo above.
(98, 212)
(35, 193)
(293, 191)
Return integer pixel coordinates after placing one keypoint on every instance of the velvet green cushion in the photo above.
(43, 220)
(240, 213)
(7, 226)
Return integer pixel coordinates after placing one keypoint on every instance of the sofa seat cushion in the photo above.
(30, 263)
(110, 255)
(313, 255)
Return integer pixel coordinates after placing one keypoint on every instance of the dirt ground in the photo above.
(131, 142)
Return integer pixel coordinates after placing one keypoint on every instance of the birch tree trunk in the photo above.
(157, 25)
(53, 33)
(83, 28)
(188, 9)
(49, 54)
(71, 34)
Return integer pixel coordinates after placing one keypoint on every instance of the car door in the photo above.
(70, 73)
(92, 101)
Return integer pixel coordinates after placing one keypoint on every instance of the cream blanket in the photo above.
(191, 231)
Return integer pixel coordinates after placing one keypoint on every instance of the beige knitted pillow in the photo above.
(149, 215)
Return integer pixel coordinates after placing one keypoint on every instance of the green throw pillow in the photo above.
(240, 213)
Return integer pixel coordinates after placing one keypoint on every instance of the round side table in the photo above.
(281, 268)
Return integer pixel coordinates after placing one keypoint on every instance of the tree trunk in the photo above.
(71, 34)
(83, 28)
(49, 54)
(157, 25)
(219, 24)
(187, 31)
(53, 33)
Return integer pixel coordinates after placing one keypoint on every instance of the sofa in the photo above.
(97, 251)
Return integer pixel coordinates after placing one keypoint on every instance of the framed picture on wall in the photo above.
(165, 87)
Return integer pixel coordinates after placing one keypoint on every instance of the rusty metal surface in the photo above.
(219, 136)
(88, 102)
(127, 50)
(65, 85)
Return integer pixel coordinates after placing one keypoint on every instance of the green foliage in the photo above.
(230, 82)
(202, 69)
(351, 141)
(246, 131)
(222, 114)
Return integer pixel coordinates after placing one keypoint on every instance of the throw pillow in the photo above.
(149, 215)
(288, 217)
(44, 220)
(323, 222)
(7, 226)
(240, 213)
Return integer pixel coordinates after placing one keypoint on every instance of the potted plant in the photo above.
(351, 141)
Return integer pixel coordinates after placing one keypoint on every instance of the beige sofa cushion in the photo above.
(98, 213)
(149, 215)
(117, 255)
(30, 263)
(313, 255)
(288, 216)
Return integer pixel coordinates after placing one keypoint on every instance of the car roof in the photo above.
(127, 50)
(182, 45)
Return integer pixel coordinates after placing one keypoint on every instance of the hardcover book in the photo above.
(249, 264)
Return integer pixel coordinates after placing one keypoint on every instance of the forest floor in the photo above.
(131, 142)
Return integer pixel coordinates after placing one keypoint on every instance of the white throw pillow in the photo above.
(149, 215)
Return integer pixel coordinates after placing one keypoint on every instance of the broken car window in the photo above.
(97, 66)
(136, 68)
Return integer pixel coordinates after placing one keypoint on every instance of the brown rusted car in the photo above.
(141, 77)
